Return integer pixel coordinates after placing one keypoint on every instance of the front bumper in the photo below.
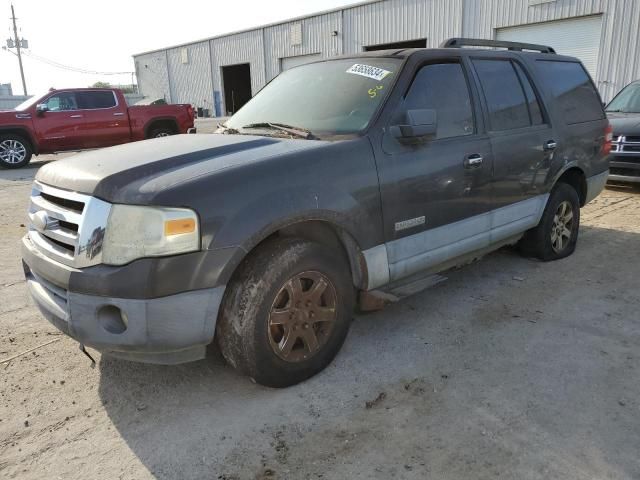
(624, 168)
(166, 330)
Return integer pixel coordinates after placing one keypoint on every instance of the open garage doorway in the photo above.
(420, 43)
(237, 86)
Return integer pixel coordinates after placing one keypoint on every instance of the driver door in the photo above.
(435, 201)
(60, 127)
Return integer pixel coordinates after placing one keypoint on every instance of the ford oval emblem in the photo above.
(40, 221)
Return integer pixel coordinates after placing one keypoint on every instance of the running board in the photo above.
(378, 299)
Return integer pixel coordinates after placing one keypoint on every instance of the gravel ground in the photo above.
(511, 368)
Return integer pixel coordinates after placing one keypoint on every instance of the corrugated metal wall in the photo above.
(399, 20)
(620, 47)
(386, 21)
(316, 38)
(191, 81)
(153, 75)
(246, 47)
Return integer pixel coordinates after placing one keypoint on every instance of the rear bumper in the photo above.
(166, 330)
(595, 185)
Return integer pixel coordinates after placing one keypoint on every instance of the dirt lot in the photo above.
(511, 368)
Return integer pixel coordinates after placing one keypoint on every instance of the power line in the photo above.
(62, 66)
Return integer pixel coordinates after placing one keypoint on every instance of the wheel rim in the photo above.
(562, 227)
(302, 316)
(12, 151)
(162, 134)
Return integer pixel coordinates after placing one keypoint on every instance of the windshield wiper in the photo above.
(296, 131)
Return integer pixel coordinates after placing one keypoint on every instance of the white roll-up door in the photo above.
(577, 37)
(290, 62)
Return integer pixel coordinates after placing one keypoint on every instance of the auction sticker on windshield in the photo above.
(376, 73)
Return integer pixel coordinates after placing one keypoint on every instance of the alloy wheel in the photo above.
(12, 151)
(302, 316)
(562, 227)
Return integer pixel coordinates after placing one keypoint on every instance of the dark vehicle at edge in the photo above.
(624, 115)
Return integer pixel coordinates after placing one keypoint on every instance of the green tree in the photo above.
(101, 85)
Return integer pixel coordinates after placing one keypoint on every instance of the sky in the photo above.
(103, 36)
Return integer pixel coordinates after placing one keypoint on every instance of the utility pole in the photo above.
(18, 44)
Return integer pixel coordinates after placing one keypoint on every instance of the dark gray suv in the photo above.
(339, 177)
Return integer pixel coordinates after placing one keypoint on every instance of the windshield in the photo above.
(627, 101)
(28, 103)
(332, 97)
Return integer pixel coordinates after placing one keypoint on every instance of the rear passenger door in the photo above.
(105, 121)
(522, 138)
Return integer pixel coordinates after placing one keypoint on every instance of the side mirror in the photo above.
(415, 125)
(41, 108)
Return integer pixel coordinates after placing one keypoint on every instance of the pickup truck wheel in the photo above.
(161, 132)
(15, 151)
(286, 312)
(556, 235)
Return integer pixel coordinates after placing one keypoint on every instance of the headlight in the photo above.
(136, 232)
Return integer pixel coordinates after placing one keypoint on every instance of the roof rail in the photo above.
(476, 42)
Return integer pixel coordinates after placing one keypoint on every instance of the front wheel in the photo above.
(556, 235)
(286, 312)
(15, 151)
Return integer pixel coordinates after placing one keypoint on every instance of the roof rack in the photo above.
(476, 42)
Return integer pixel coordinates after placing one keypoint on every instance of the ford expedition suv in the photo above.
(340, 177)
(82, 118)
(624, 115)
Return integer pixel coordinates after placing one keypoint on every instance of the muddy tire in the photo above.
(286, 312)
(556, 235)
(15, 151)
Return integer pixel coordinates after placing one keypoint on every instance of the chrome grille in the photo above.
(67, 226)
(626, 145)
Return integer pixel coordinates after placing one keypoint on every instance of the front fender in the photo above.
(257, 220)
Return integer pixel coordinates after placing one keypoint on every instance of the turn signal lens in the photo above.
(179, 226)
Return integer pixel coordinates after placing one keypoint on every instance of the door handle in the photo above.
(76, 116)
(473, 161)
(550, 146)
(120, 114)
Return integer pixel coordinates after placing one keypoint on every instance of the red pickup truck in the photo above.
(83, 118)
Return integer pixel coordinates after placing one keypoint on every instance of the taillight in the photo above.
(191, 111)
(608, 140)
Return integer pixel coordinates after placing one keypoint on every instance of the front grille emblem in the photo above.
(41, 221)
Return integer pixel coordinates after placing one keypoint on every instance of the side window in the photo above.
(95, 100)
(503, 92)
(573, 90)
(535, 112)
(443, 88)
(61, 102)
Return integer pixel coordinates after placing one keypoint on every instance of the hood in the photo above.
(139, 171)
(625, 123)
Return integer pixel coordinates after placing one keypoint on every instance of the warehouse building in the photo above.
(219, 74)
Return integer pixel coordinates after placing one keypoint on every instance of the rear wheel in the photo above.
(162, 132)
(286, 312)
(15, 151)
(556, 235)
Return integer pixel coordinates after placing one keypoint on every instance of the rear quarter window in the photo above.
(573, 91)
